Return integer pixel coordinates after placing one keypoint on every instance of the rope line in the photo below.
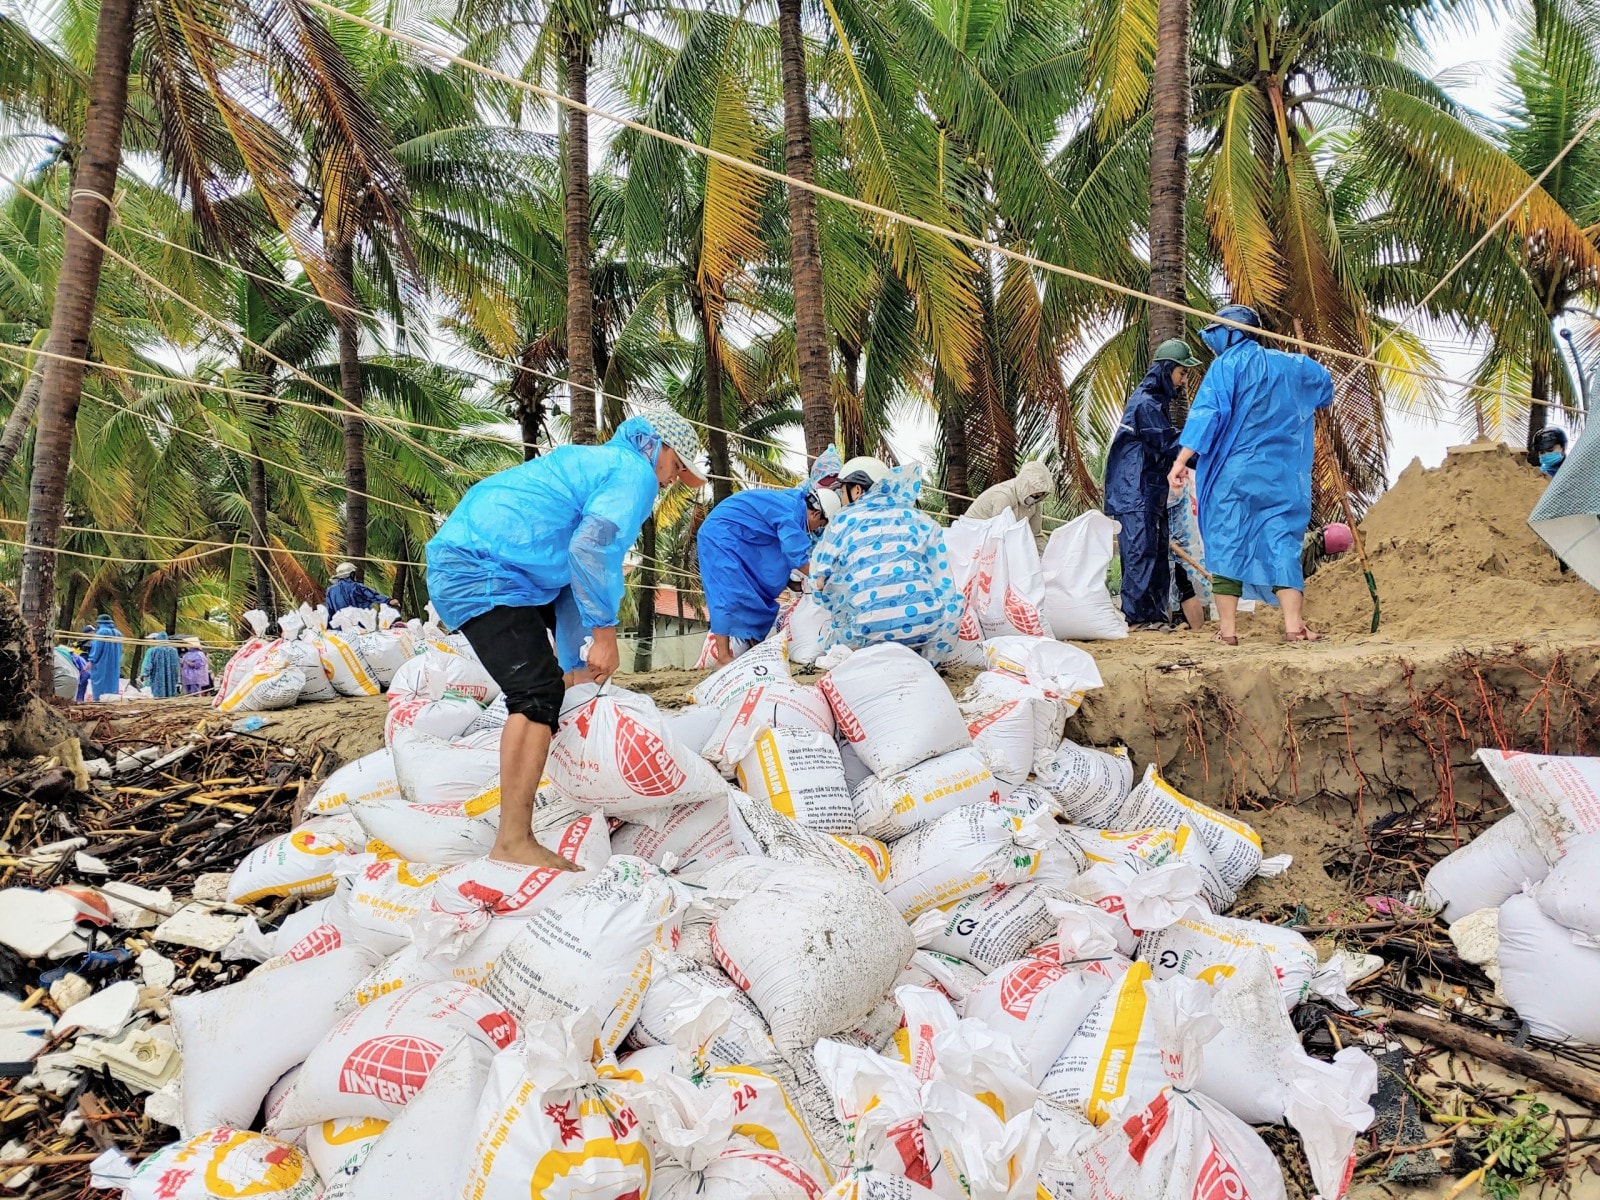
(854, 202)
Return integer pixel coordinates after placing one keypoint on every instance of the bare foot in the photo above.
(528, 853)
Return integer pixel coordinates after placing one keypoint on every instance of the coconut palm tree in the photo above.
(207, 134)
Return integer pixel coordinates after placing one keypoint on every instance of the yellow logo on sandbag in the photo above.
(591, 1160)
(279, 1168)
(483, 802)
(307, 842)
(344, 1130)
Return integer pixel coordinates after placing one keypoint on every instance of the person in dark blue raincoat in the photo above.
(1137, 464)
(1252, 434)
(533, 554)
(80, 657)
(749, 546)
(105, 660)
(161, 669)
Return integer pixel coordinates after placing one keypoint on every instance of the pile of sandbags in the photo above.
(851, 935)
(311, 661)
(1521, 897)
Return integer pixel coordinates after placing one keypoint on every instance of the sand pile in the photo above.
(1454, 557)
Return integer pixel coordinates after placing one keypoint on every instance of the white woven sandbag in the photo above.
(995, 564)
(1145, 849)
(1090, 785)
(1002, 731)
(1179, 1143)
(893, 806)
(798, 771)
(696, 835)
(765, 706)
(242, 661)
(1039, 1005)
(590, 949)
(988, 929)
(224, 1162)
(1557, 794)
(337, 1149)
(377, 1057)
(424, 1150)
(694, 725)
(438, 692)
(759, 829)
(678, 985)
(297, 863)
(617, 754)
(438, 834)
(893, 708)
(1113, 1058)
(1234, 846)
(463, 772)
(473, 911)
(815, 951)
(548, 1126)
(270, 683)
(1063, 673)
(1208, 948)
(1548, 974)
(1077, 602)
(969, 849)
(1487, 871)
(237, 1040)
(346, 669)
(992, 689)
(383, 651)
(370, 777)
(762, 664)
(1570, 894)
(807, 623)
(305, 655)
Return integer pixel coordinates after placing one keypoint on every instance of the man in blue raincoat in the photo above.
(750, 545)
(1251, 433)
(105, 660)
(1141, 454)
(534, 553)
(161, 669)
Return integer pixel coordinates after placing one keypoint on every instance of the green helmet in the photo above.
(1176, 350)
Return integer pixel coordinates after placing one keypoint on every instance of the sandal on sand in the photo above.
(1303, 634)
(1227, 641)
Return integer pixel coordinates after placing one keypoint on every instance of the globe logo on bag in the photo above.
(393, 1069)
(643, 760)
(1023, 616)
(1023, 984)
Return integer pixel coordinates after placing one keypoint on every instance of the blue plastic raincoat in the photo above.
(1141, 454)
(749, 546)
(105, 661)
(882, 572)
(1253, 431)
(161, 669)
(552, 530)
(351, 593)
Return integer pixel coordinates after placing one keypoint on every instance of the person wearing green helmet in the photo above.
(1141, 454)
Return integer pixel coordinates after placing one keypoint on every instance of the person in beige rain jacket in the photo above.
(1024, 496)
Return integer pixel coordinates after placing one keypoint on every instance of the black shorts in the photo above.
(513, 644)
(1185, 584)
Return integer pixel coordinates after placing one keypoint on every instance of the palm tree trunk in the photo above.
(355, 428)
(580, 287)
(258, 533)
(530, 418)
(805, 254)
(853, 418)
(172, 613)
(953, 420)
(16, 430)
(716, 422)
(402, 580)
(644, 650)
(94, 180)
(1169, 167)
(1538, 410)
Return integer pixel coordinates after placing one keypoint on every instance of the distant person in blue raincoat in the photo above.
(1137, 495)
(346, 591)
(161, 669)
(534, 553)
(1252, 432)
(750, 545)
(882, 572)
(105, 660)
(81, 658)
